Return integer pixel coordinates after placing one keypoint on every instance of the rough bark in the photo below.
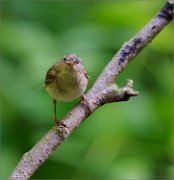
(103, 91)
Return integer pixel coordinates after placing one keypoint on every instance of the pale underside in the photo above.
(69, 82)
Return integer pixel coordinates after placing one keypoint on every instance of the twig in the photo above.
(103, 91)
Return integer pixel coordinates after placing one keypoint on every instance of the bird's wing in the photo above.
(86, 73)
(51, 75)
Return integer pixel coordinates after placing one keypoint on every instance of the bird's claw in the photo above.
(60, 123)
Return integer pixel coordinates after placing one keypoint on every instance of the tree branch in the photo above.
(103, 91)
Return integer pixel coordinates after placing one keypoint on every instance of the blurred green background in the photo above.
(123, 140)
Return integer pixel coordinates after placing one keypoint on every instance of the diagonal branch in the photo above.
(103, 91)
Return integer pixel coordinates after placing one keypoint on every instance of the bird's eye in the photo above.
(77, 61)
(65, 59)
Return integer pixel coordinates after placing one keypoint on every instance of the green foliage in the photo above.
(120, 140)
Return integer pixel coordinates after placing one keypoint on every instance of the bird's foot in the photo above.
(83, 97)
(60, 123)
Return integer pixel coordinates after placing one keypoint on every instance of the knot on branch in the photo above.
(128, 91)
(115, 94)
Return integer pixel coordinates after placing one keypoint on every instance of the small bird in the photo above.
(66, 80)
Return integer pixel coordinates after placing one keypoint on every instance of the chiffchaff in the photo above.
(66, 79)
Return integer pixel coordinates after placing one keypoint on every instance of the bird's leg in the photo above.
(83, 97)
(56, 120)
(55, 114)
